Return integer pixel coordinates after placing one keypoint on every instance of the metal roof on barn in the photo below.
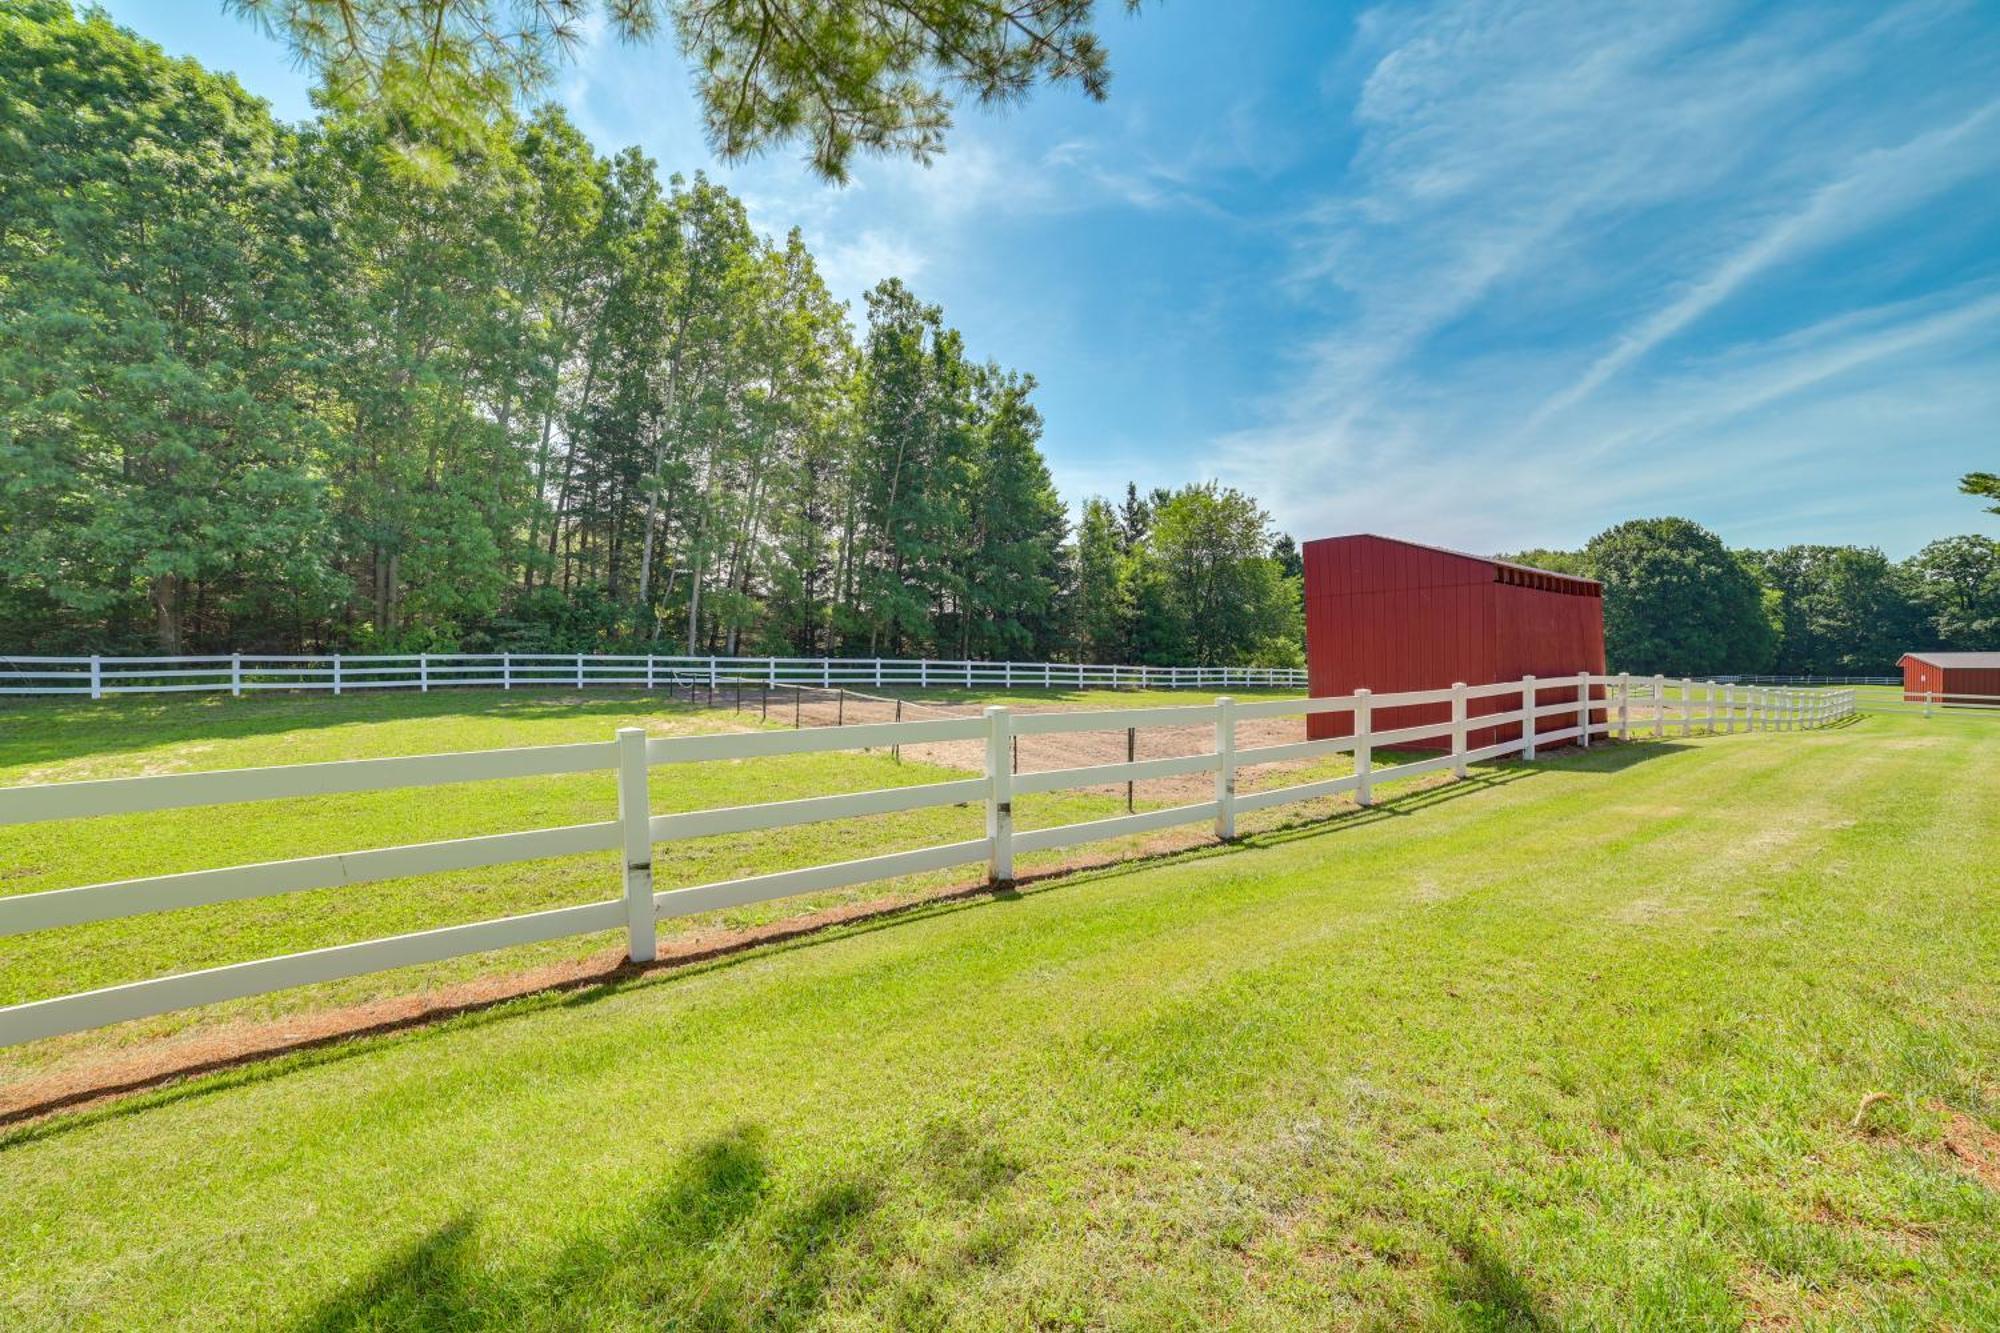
(1955, 661)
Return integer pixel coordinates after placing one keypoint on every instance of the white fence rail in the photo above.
(239, 673)
(1594, 706)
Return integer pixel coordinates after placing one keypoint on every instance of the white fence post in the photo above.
(1624, 705)
(1659, 708)
(336, 673)
(1528, 695)
(635, 814)
(1225, 768)
(1687, 706)
(1930, 698)
(1583, 709)
(1729, 709)
(579, 671)
(999, 796)
(96, 676)
(711, 677)
(1458, 728)
(423, 673)
(878, 673)
(1364, 748)
(771, 673)
(236, 674)
(506, 671)
(923, 673)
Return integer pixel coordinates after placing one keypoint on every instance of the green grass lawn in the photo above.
(73, 741)
(1569, 1045)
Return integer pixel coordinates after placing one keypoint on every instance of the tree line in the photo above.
(1677, 600)
(363, 383)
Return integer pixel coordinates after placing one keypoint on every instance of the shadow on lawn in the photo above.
(715, 1246)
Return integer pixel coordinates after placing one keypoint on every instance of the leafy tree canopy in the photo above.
(851, 75)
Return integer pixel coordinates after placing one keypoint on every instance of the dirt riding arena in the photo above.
(1032, 754)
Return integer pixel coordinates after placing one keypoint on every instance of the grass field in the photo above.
(44, 741)
(1575, 1044)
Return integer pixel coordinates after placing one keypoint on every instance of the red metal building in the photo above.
(1387, 615)
(1942, 674)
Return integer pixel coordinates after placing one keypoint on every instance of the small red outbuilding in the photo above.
(1387, 615)
(1975, 675)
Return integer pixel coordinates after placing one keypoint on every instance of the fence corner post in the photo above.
(635, 814)
(1458, 746)
(1530, 693)
(1624, 705)
(1364, 748)
(999, 797)
(96, 676)
(1225, 769)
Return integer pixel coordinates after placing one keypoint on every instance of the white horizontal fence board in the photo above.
(1113, 719)
(120, 796)
(196, 888)
(1501, 751)
(1294, 707)
(814, 809)
(1273, 754)
(1068, 835)
(1429, 731)
(142, 999)
(1409, 699)
(1093, 775)
(816, 879)
(1303, 791)
(1416, 768)
(809, 740)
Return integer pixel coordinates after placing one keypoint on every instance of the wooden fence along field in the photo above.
(1594, 706)
(339, 673)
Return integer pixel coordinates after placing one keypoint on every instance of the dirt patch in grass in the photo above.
(1975, 1148)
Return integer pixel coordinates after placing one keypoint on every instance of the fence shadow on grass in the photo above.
(716, 1245)
(39, 1120)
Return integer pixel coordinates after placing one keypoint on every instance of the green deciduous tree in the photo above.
(1676, 600)
(1958, 582)
(156, 432)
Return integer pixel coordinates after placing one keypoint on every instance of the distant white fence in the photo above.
(339, 673)
(1595, 706)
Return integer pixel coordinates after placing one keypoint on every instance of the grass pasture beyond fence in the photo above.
(1578, 1043)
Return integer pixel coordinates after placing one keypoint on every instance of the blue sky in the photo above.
(1493, 275)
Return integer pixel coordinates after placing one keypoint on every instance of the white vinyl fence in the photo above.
(1594, 706)
(339, 673)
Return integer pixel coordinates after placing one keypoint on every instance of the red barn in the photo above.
(1387, 615)
(1942, 674)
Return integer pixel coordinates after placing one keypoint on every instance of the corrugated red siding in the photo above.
(1386, 615)
(1921, 678)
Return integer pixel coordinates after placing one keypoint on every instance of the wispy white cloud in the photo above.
(1879, 185)
(1529, 175)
